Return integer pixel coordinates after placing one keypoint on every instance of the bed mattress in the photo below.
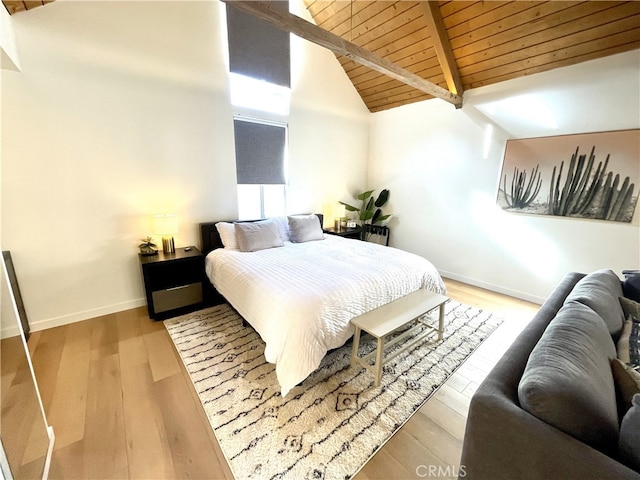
(301, 297)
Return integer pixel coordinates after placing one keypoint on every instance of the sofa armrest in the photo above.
(504, 441)
(511, 443)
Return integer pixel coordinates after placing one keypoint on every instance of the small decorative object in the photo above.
(147, 247)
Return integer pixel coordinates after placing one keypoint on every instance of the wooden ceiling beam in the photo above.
(296, 25)
(442, 45)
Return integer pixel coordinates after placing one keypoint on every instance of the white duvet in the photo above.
(300, 297)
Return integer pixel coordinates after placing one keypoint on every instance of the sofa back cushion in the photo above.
(600, 291)
(568, 382)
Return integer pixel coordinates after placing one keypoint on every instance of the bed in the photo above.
(301, 295)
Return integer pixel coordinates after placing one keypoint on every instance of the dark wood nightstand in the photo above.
(355, 233)
(176, 283)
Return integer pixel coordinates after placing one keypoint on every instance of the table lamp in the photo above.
(339, 212)
(166, 225)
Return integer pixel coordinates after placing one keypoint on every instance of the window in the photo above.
(257, 49)
(260, 80)
(250, 94)
(261, 201)
(260, 167)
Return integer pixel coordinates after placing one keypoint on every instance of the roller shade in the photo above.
(258, 49)
(259, 153)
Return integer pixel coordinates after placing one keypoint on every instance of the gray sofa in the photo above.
(504, 440)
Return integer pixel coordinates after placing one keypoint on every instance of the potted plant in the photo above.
(370, 210)
(147, 247)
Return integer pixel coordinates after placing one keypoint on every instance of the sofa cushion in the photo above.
(628, 444)
(627, 383)
(628, 345)
(629, 307)
(568, 382)
(600, 291)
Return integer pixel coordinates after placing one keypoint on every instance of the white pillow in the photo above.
(254, 236)
(227, 232)
(305, 228)
(283, 227)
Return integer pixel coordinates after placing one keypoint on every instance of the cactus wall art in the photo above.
(591, 176)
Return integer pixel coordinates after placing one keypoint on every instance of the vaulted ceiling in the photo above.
(400, 52)
(490, 41)
(15, 6)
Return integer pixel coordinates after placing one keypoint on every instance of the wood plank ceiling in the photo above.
(478, 42)
(15, 6)
(492, 41)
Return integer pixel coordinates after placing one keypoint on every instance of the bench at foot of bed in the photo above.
(384, 320)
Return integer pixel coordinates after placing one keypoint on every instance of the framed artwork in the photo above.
(591, 175)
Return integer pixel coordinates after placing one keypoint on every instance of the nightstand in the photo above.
(176, 283)
(355, 233)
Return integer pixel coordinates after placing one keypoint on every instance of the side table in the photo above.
(176, 283)
(355, 233)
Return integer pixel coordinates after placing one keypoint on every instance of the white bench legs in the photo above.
(384, 320)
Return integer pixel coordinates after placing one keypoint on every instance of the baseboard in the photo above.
(9, 332)
(493, 288)
(85, 315)
(119, 307)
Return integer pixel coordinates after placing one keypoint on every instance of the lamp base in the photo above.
(168, 245)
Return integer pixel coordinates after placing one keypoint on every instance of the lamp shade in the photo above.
(166, 224)
(338, 211)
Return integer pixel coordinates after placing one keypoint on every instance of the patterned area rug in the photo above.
(332, 423)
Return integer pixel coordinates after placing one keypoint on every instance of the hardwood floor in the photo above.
(122, 405)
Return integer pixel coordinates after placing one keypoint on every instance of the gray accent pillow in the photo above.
(628, 345)
(628, 444)
(630, 307)
(254, 236)
(600, 290)
(568, 382)
(305, 228)
(627, 383)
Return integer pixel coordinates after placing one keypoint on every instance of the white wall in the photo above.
(443, 189)
(328, 128)
(122, 111)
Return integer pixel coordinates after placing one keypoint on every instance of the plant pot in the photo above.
(148, 251)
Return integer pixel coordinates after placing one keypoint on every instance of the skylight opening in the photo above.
(247, 92)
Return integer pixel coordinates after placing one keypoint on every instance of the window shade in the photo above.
(259, 153)
(258, 49)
